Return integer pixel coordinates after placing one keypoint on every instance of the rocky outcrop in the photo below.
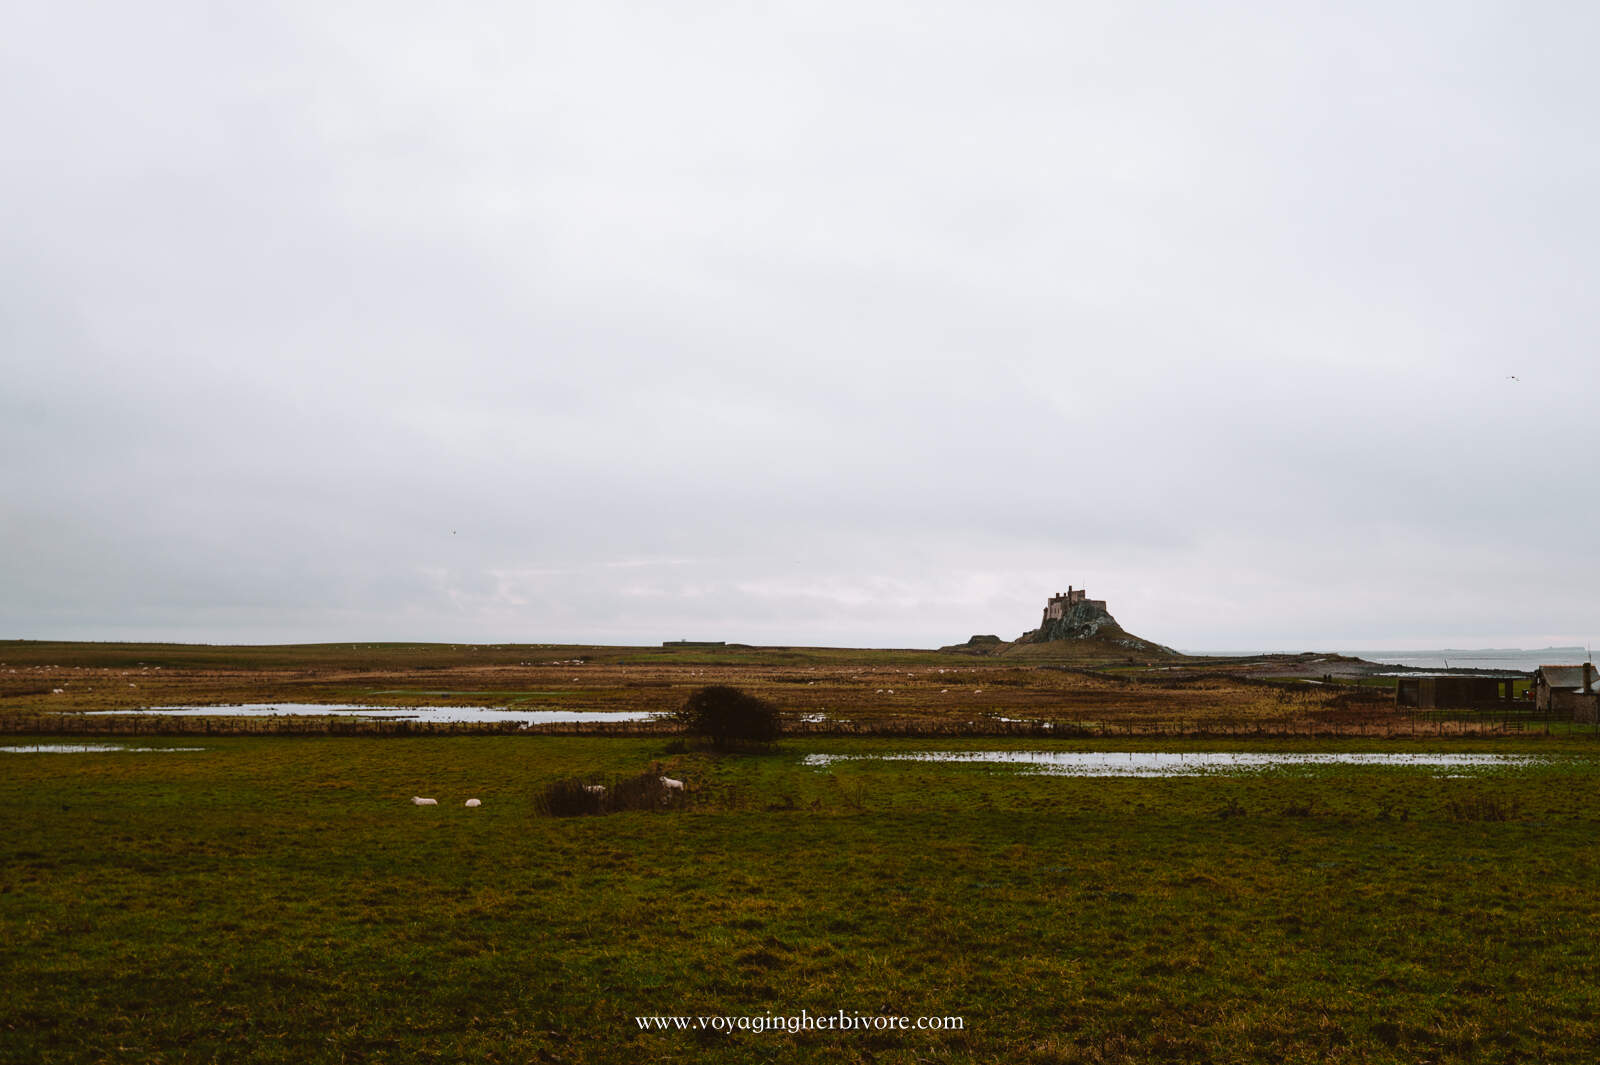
(978, 645)
(1088, 620)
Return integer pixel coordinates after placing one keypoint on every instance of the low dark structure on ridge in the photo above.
(1441, 691)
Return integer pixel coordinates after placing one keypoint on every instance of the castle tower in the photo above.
(1057, 605)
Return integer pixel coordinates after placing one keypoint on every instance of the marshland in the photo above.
(193, 888)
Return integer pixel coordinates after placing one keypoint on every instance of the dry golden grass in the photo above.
(819, 690)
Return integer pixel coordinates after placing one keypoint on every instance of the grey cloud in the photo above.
(865, 323)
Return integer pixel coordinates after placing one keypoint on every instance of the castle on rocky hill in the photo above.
(1056, 607)
(1068, 615)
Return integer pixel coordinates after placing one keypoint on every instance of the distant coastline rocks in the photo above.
(1068, 616)
(978, 645)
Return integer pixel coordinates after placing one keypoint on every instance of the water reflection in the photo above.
(441, 714)
(88, 748)
(1187, 763)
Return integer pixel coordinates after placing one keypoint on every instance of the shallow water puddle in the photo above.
(443, 714)
(1186, 764)
(88, 748)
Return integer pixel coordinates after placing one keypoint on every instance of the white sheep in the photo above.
(595, 789)
(472, 802)
(417, 800)
(671, 785)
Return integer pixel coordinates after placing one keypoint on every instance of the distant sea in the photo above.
(1507, 658)
(1514, 658)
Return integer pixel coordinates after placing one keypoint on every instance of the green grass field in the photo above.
(280, 899)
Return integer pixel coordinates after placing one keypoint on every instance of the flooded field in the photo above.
(820, 691)
(439, 714)
(177, 907)
(88, 748)
(1189, 763)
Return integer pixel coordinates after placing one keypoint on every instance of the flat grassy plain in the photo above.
(828, 690)
(279, 899)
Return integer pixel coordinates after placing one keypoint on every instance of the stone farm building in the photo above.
(1568, 689)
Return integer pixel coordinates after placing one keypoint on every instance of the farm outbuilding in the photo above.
(1450, 691)
(1568, 689)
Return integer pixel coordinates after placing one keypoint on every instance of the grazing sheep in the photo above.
(417, 800)
(472, 802)
(671, 785)
(595, 789)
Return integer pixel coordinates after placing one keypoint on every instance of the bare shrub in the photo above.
(570, 798)
(729, 717)
(575, 797)
(643, 792)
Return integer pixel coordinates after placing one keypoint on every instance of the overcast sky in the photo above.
(1274, 324)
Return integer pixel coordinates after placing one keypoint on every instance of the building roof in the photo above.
(1424, 675)
(1568, 677)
